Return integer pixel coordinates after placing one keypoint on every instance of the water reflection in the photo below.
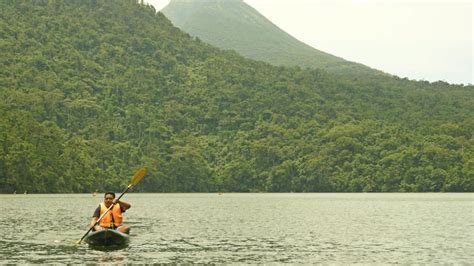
(111, 258)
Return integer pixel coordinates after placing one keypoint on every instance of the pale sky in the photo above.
(419, 39)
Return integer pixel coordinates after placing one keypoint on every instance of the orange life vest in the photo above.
(113, 218)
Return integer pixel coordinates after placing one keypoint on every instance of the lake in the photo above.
(434, 228)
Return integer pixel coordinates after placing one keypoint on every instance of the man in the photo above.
(113, 219)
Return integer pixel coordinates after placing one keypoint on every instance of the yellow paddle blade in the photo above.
(138, 176)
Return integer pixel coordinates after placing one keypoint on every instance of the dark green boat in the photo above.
(107, 238)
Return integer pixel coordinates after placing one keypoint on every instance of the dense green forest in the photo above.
(92, 90)
(234, 25)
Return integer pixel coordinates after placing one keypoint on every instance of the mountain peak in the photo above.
(233, 24)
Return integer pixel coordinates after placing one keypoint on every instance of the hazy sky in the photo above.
(419, 39)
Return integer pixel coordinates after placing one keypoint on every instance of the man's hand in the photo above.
(97, 227)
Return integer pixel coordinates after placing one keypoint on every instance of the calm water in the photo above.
(247, 228)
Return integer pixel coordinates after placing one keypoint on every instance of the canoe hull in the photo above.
(107, 238)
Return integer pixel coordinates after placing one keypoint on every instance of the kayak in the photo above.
(107, 238)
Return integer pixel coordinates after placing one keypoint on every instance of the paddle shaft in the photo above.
(102, 216)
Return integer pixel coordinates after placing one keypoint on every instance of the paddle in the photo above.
(135, 179)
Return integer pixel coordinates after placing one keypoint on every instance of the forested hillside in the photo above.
(92, 90)
(232, 24)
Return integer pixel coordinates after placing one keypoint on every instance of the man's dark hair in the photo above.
(110, 193)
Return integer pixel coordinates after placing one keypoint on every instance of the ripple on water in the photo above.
(248, 228)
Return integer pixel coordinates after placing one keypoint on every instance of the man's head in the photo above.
(109, 198)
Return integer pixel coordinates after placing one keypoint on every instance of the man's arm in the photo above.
(95, 217)
(93, 221)
(124, 205)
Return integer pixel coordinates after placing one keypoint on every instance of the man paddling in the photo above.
(113, 219)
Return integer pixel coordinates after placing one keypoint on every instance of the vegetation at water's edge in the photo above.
(92, 90)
